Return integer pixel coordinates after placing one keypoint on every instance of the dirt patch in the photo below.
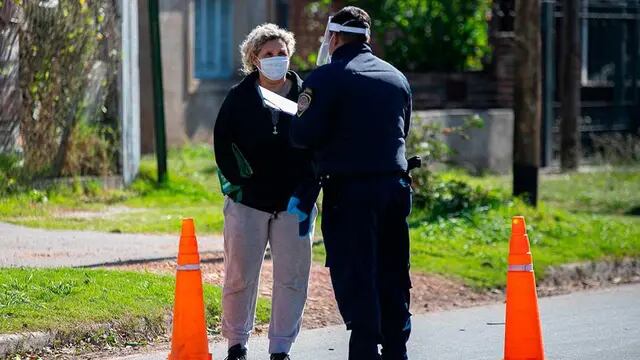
(429, 293)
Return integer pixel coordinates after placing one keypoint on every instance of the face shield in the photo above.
(324, 57)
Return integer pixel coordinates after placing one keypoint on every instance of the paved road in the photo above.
(22, 246)
(597, 325)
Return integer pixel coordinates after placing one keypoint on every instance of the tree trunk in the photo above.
(570, 86)
(527, 100)
(65, 139)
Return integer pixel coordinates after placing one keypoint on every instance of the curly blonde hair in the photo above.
(259, 36)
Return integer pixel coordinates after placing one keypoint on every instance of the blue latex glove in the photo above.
(292, 209)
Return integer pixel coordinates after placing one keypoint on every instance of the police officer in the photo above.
(354, 114)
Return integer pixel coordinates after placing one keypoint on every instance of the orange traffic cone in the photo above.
(189, 339)
(523, 333)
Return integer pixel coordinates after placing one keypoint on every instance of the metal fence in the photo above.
(610, 35)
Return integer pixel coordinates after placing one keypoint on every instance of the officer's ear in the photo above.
(334, 41)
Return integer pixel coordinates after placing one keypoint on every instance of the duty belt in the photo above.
(361, 176)
(412, 163)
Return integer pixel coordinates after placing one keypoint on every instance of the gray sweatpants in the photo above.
(246, 234)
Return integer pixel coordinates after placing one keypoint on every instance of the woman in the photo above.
(259, 173)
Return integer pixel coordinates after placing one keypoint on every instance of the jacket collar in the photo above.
(351, 50)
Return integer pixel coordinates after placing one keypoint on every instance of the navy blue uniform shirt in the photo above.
(354, 113)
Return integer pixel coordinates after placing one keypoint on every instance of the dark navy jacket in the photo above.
(354, 113)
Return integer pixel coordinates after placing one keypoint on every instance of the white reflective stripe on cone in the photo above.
(523, 268)
(188, 267)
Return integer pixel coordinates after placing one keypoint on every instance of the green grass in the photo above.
(474, 249)
(192, 191)
(67, 299)
(611, 191)
(581, 217)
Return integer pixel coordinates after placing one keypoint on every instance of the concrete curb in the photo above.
(36, 341)
(19, 343)
(592, 274)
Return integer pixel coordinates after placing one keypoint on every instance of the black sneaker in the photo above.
(237, 352)
(280, 356)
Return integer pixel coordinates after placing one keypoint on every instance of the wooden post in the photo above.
(527, 100)
(635, 58)
(548, 81)
(158, 95)
(570, 86)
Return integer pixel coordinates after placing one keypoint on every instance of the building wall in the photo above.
(174, 30)
(205, 97)
(308, 26)
(191, 105)
(489, 148)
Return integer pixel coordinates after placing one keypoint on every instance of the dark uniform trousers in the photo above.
(367, 241)
(355, 114)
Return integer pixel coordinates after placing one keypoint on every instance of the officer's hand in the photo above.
(414, 162)
(292, 209)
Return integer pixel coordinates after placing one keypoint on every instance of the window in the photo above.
(213, 39)
(608, 41)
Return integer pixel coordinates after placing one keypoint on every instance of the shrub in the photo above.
(436, 197)
(430, 35)
(616, 148)
(62, 47)
(10, 173)
(91, 150)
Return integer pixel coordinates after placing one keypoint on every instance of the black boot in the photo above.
(280, 356)
(237, 352)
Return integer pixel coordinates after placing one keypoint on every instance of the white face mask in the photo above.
(274, 68)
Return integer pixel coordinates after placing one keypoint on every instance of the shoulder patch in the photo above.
(304, 101)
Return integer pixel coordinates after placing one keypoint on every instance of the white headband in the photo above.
(349, 29)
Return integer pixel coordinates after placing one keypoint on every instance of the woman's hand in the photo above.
(293, 209)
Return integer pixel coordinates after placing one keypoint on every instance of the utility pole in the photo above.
(158, 96)
(570, 86)
(527, 100)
